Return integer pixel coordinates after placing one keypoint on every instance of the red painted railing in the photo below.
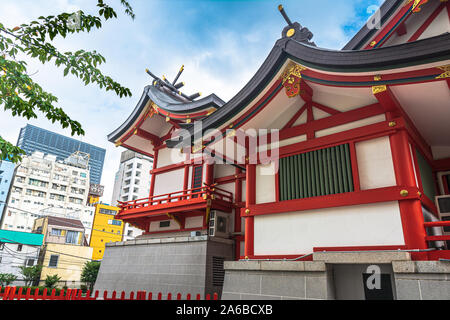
(437, 224)
(12, 293)
(196, 193)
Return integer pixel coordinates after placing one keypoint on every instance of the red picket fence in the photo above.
(10, 293)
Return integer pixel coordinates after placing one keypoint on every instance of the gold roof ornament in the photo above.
(446, 73)
(378, 89)
(290, 32)
(293, 69)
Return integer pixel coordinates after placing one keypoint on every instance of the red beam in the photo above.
(393, 109)
(361, 248)
(427, 22)
(148, 136)
(295, 117)
(335, 200)
(332, 121)
(325, 108)
(357, 134)
(441, 165)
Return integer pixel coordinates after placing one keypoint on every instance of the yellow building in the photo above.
(65, 249)
(66, 261)
(105, 228)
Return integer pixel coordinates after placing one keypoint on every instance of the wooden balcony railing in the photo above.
(205, 192)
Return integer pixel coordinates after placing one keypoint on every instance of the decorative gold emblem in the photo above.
(446, 73)
(404, 193)
(373, 43)
(416, 7)
(377, 77)
(291, 79)
(290, 32)
(378, 89)
(392, 124)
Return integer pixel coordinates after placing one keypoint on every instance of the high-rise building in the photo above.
(132, 182)
(32, 138)
(6, 175)
(44, 186)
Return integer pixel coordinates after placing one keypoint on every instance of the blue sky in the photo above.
(221, 43)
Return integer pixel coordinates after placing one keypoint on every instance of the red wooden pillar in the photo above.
(250, 200)
(152, 178)
(237, 210)
(209, 175)
(410, 210)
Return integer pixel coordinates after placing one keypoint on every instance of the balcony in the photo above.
(185, 201)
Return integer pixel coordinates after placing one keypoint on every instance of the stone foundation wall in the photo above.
(282, 280)
(422, 280)
(336, 275)
(175, 265)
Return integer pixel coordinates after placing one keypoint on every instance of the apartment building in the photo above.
(43, 185)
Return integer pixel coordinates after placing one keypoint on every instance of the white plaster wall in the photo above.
(265, 183)
(439, 26)
(194, 222)
(375, 165)
(292, 140)
(223, 170)
(154, 226)
(169, 156)
(168, 182)
(351, 125)
(374, 224)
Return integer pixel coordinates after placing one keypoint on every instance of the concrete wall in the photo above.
(422, 280)
(336, 276)
(277, 280)
(176, 265)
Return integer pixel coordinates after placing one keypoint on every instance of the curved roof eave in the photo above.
(365, 33)
(407, 54)
(166, 102)
(113, 136)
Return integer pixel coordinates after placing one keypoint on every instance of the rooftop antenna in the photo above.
(283, 13)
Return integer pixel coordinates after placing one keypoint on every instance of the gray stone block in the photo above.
(292, 285)
(230, 296)
(316, 288)
(435, 290)
(242, 282)
(407, 289)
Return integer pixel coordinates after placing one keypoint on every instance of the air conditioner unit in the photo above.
(443, 206)
(219, 224)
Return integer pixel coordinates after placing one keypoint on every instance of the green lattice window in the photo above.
(316, 173)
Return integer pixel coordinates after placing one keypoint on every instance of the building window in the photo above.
(164, 224)
(316, 173)
(107, 211)
(19, 247)
(72, 237)
(55, 232)
(30, 262)
(197, 177)
(53, 263)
